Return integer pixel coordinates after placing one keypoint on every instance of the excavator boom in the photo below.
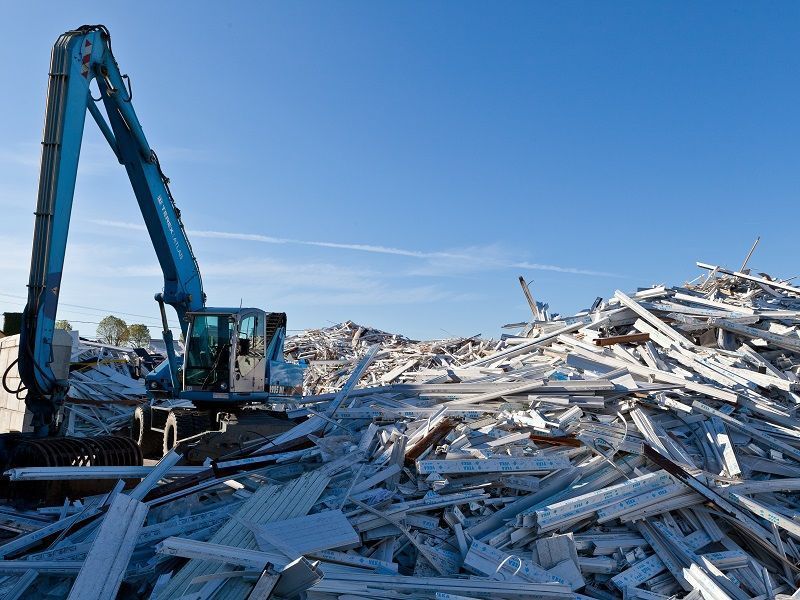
(79, 57)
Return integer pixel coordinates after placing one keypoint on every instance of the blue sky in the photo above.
(416, 158)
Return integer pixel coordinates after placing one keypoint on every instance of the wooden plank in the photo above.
(433, 437)
(630, 338)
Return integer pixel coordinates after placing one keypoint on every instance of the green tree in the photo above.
(112, 330)
(138, 335)
(64, 324)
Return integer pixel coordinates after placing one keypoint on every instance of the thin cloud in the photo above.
(284, 282)
(474, 259)
(558, 269)
(255, 237)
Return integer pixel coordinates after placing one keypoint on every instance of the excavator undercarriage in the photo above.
(200, 434)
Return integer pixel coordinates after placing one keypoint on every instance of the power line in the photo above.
(96, 309)
(82, 306)
(173, 324)
(96, 323)
(157, 327)
(71, 311)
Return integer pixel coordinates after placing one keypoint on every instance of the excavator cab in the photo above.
(237, 355)
(207, 359)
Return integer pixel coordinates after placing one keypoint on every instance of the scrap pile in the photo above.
(331, 352)
(646, 448)
(106, 385)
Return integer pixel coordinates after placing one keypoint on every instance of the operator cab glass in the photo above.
(208, 351)
(250, 365)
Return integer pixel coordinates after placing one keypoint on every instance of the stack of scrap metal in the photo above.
(646, 448)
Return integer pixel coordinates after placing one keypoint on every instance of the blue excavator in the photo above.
(218, 396)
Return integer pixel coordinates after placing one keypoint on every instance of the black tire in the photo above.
(148, 440)
(183, 424)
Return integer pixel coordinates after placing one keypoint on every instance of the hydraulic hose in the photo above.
(20, 388)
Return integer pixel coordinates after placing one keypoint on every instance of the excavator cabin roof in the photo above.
(216, 310)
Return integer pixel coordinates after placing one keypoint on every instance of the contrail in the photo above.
(369, 248)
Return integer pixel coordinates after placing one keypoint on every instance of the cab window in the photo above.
(208, 352)
(247, 332)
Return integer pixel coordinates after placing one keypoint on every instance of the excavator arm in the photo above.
(79, 57)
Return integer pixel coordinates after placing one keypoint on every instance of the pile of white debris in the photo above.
(332, 351)
(648, 447)
(106, 384)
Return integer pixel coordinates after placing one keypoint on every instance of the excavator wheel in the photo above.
(148, 440)
(182, 424)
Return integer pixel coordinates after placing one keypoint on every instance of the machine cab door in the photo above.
(250, 361)
(207, 361)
